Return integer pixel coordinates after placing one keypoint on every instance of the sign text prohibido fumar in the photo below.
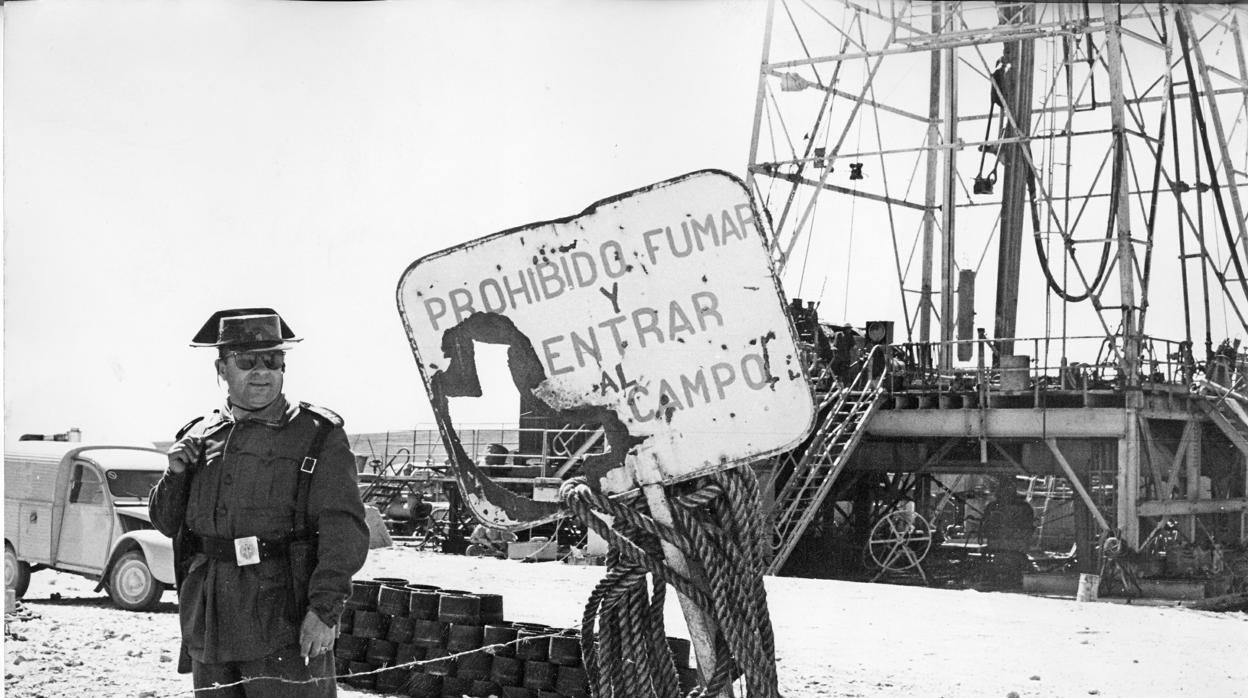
(652, 320)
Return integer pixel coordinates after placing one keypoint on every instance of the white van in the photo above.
(82, 508)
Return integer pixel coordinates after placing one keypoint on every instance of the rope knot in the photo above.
(573, 489)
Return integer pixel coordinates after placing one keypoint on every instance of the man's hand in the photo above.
(184, 453)
(315, 637)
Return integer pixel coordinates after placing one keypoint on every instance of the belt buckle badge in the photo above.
(247, 551)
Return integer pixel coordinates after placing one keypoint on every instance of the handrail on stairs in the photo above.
(835, 399)
(790, 517)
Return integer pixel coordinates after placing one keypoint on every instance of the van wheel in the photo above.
(131, 584)
(16, 572)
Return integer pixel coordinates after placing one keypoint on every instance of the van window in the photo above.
(86, 487)
(132, 484)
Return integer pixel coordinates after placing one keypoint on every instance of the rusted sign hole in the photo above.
(498, 335)
(498, 400)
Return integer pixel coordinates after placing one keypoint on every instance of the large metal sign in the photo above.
(653, 315)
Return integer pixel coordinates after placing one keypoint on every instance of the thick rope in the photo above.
(719, 530)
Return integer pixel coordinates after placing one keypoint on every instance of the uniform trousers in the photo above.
(260, 677)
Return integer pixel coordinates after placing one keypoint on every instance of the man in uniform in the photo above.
(262, 502)
(1008, 526)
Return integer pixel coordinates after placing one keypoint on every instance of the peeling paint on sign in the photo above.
(653, 315)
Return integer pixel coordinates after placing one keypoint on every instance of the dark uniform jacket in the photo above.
(1009, 524)
(245, 484)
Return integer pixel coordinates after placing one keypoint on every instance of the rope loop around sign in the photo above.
(718, 529)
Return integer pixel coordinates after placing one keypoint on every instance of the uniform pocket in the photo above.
(267, 481)
(283, 480)
(192, 600)
(276, 599)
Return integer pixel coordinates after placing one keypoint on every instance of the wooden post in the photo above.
(1149, 452)
(702, 630)
(1128, 481)
(1193, 480)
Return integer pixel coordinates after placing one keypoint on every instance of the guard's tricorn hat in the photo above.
(245, 329)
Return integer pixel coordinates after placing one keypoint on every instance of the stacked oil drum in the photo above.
(390, 623)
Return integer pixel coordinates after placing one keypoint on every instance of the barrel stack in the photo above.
(418, 640)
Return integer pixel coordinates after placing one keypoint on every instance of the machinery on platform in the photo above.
(1110, 397)
(415, 490)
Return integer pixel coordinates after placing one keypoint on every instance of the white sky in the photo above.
(166, 158)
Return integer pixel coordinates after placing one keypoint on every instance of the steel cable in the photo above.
(1100, 277)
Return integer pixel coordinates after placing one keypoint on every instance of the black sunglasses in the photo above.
(273, 360)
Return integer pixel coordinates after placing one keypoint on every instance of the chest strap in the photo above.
(306, 468)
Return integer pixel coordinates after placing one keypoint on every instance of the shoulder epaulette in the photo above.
(323, 412)
(206, 423)
(187, 427)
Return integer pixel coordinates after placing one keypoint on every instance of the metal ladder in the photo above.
(818, 466)
(1227, 409)
(1050, 489)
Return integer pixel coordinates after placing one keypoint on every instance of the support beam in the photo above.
(974, 37)
(949, 204)
(1057, 422)
(1020, 56)
(1154, 468)
(823, 184)
(761, 95)
(1076, 483)
(1193, 463)
(1241, 83)
(956, 486)
(1237, 39)
(580, 452)
(847, 95)
(896, 19)
(1129, 359)
(1225, 426)
(993, 466)
(1238, 409)
(834, 152)
(929, 194)
(1055, 106)
(1180, 455)
(1010, 459)
(1183, 15)
(937, 457)
(1128, 482)
(1179, 507)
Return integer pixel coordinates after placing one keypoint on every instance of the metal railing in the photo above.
(541, 452)
(1051, 366)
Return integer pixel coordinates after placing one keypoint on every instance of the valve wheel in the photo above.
(1112, 547)
(899, 541)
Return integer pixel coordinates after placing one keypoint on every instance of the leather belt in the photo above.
(226, 550)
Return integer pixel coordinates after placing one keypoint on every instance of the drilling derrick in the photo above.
(1102, 151)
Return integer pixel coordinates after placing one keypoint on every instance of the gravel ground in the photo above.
(833, 638)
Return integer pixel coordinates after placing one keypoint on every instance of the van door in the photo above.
(34, 543)
(87, 527)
